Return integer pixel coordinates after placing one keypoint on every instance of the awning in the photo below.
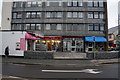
(100, 39)
(90, 39)
(28, 36)
(95, 39)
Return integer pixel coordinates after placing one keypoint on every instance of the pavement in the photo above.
(82, 62)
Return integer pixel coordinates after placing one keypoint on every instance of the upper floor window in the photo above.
(32, 27)
(75, 3)
(75, 14)
(53, 3)
(90, 15)
(90, 27)
(96, 27)
(34, 4)
(17, 4)
(47, 27)
(16, 26)
(74, 27)
(102, 27)
(101, 15)
(59, 27)
(90, 3)
(33, 14)
(101, 4)
(96, 15)
(53, 14)
(16, 15)
(95, 3)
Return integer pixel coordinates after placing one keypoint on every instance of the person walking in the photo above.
(6, 51)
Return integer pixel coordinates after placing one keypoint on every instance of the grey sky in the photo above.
(112, 12)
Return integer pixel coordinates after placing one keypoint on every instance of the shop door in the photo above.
(79, 46)
(67, 45)
(73, 46)
(90, 46)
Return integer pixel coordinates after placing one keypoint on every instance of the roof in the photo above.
(112, 30)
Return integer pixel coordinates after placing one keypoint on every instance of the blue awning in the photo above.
(90, 39)
(100, 39)
(95, 39)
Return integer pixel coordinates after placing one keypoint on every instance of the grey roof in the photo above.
(112, 30)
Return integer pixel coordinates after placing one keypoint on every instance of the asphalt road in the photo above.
(105, 72)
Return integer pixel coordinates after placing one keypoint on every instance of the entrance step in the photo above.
(69, 55)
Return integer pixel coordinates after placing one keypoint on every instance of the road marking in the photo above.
(75, 71)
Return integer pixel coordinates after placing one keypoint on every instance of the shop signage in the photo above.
(51, 38)
(22, 44)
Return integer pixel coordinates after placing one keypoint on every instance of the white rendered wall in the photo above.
(9, 38)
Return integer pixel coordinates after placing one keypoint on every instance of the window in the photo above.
(101, 27)
(38, 14)
(16, 26)
(39, 3)
(80, 27)
(60, 3)
(28, 15)
(74, 14)
(33, 14)
(34, 4)
(47, 3)
(27, 27)
(19, 15)
(75, 26)
(59, 14)
(53, 3)
(74, 3)
(69, 3)
(101, 15)
(59, 27)
(32, 26)
(80, 14)
(14, 4)
(101, 4)
(38, 26)
(96, 15)
(90, 3)
(47, 27)
(95, 3)
(69, 14)
(96, 27)
(14, 15)
(80, 3)
(69, 27)
(90, 27)
(48, 14)
(29, 4)
(90, 15)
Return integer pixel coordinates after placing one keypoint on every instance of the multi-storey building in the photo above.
(72, 25)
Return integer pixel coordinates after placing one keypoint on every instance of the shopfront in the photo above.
(73, 44)
(95, 44)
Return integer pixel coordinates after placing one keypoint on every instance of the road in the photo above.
(54, 71)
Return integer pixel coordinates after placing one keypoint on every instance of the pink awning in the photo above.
(28, 36)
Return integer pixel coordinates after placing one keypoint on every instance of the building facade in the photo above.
(69, 26)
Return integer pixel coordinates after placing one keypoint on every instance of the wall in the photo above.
(9, 38)
(6, 15)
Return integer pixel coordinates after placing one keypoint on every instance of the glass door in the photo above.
(73, 45)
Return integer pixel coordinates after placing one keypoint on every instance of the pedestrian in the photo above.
(6, 51)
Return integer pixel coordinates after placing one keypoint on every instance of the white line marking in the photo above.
(75, 71)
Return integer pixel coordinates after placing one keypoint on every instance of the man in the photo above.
(6, 51)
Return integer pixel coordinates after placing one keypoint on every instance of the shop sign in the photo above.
(52, 38)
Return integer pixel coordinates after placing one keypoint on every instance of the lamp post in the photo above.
(94, 47)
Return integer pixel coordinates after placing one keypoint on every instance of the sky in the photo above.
(112, 13)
